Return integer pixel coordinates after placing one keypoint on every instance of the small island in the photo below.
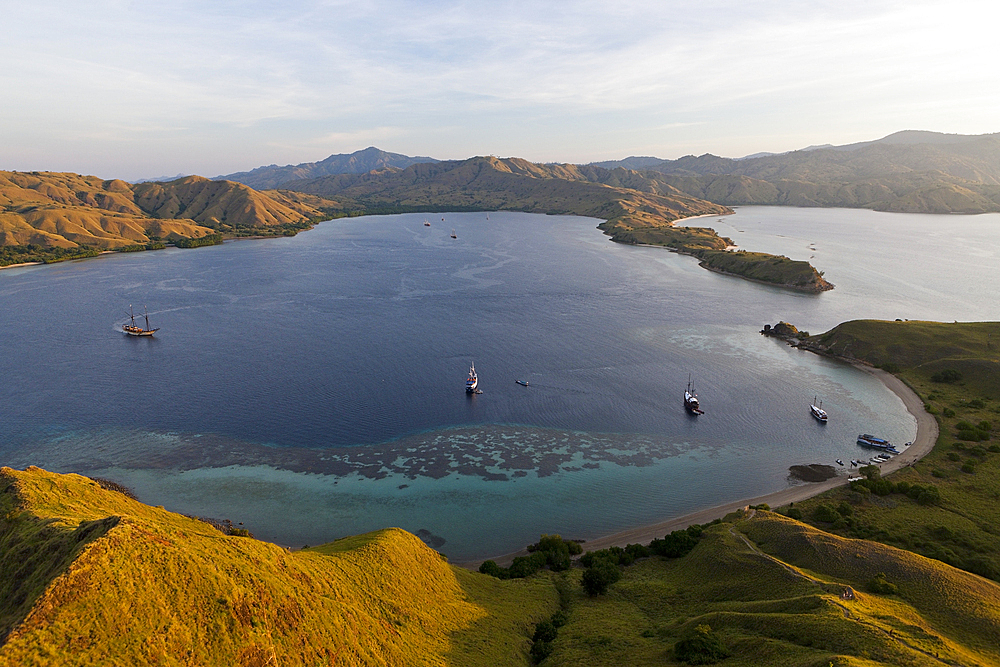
(715, 254)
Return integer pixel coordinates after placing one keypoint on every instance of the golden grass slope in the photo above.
(64, 210)
(115, 582)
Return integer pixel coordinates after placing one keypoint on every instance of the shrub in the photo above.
(559, 619)
(676, 544)
(544, 632)
(882, 586)
(953, 456)
(599, 576)
(969, 467)
(890, 367)
(949, 375)
(795, 513)
(844, 509)
(825, 513)
(491, 568)
(929, 496)
(701, 647)
(985, 426)
(976, 404)
(994, 448)
(948, 412)
(540, 651)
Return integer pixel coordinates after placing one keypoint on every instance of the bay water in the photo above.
(313, 387)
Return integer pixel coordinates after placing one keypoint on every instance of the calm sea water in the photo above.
(312, 387)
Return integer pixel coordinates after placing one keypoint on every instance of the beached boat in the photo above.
(691, 400)
(135, 330)
(840, 462)
(867, 440)
(818, 412)
(473, 381)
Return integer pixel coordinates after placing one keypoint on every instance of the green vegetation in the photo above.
(208, 239)
(945, 506)
(34, 253)
(768, 590)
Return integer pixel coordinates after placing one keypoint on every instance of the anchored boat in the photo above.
(867, 440)
(135, 330)
(691, 400)
(473, 381)
(818, 412)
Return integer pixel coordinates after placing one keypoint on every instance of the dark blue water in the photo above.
(313, 386)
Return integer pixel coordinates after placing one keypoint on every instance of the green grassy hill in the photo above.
(88, 576)
(772, 590)
(955, 368)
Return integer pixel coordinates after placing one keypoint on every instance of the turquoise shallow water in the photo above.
(311, 387)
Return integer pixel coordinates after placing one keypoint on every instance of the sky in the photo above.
(134, 90)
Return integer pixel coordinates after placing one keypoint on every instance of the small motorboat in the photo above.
(426, 224)
(523, 383)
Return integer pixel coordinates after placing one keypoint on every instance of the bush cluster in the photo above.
(546, 633)
(881, 585)
(949, 376)
(551, 551)
(973, 432)
(701, 647)
(923, 494)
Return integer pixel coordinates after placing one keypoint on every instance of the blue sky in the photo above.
(146, 89)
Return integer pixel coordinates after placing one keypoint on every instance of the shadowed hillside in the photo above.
(914, 172)
(359, 162)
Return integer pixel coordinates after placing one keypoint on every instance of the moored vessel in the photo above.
(818, 412)
(473, 381)
(691, 400)
(868, 440)
(133, 329)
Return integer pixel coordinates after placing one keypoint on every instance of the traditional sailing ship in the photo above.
(472, 382)
(135, 330)
(691, 400)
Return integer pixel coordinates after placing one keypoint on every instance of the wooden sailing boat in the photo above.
(133, 329)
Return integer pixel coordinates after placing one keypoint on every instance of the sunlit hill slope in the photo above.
(88, 576)
(52, 209)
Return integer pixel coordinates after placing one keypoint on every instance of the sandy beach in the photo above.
(927, 434)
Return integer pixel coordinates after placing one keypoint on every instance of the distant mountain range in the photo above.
(910, 171)
(360, 162)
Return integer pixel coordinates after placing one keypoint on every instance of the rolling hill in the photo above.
(90, 576)
(51, 210)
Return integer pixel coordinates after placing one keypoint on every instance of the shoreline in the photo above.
(923, 443)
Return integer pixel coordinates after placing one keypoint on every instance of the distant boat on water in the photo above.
(453, 234)
(473, 381)
(818, 412)
(135, 330)
(523, 383)
(691, 400)
(426, 224)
